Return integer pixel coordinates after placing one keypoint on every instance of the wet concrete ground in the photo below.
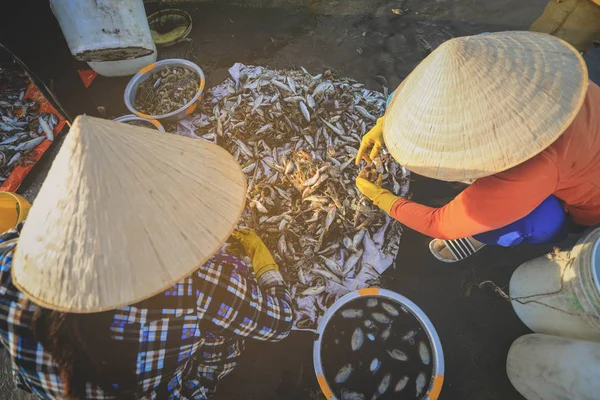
(374, 46)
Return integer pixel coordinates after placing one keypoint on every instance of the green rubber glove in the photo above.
(373, 140)
(261, 257)
(381, 197)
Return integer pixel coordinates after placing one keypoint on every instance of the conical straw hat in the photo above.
(125, 213)
(483, 104)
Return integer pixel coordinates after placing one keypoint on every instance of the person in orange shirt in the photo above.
(514, 115)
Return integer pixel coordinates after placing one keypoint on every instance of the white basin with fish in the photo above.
(376, 344)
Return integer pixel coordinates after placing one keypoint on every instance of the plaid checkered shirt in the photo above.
(187, 338)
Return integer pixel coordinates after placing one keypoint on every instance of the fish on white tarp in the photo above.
(296, 136)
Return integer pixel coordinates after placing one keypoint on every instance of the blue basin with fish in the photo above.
(374, 344)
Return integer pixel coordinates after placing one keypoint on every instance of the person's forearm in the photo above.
(429, 221)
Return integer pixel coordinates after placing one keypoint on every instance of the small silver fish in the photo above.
(14, 159)
(390, 309)
(30, 144)
(375, 364)
(352, 313)
(46, 128)
(313, 291)
(311, 181)
(259, 206)
(401, 384)
(351, 262)
(410, 337)
(420, 383)
(343, 374)
(397, 355)
(385, 384)
(381, 318)
(363, 111)
(372, 302)
(424, 353)
(357, 339)
(305, 111)
(386, 333)
(348, 395)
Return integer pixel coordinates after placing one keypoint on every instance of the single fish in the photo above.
(351, 262)
(385, 384)
(305, 111)
(343, 374)
(401, 384)
(386, 333)
(381, 318)
(30, 144)
(410, 337)
(46, 128)
(372, 302)
(390, 309)
(347, 395)
(14, 159)
(375, 364)
(313, 291)
(259, 206)
(363, 111)
(357, 339)
(420, 383)
(424, 353)
(10, 139)
(311, 181)
(397, 355)
(352, 313)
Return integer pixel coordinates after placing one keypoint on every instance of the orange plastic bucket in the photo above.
(13, 209)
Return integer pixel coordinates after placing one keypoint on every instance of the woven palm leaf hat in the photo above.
(125, 213)
(479, 105)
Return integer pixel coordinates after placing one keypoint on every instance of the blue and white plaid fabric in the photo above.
(187, 338)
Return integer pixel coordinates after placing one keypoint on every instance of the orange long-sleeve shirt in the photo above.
(569, 169)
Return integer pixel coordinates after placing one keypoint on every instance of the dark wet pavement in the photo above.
(374, 46)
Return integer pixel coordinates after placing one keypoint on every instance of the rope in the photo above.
(525, 299)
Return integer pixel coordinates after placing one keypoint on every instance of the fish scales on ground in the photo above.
(295, 136)
(22, 126)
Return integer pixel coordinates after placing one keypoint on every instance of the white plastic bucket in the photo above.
(123, 67)
(543, 367)
(437, 378)
(561, 294)
(104, 30)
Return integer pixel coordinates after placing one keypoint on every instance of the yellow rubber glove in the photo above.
(381, 197)
(372, 140)
(261, 257)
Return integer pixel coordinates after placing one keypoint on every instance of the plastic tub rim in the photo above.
(133, 117)
(177, 11)
(146, 72)
(437, 377)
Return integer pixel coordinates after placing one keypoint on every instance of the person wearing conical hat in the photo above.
(114, 287)
(512, 113)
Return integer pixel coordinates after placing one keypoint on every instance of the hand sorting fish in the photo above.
(22, 126)
(296, 136)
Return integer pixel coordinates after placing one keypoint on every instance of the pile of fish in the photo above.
(22, 127)
(375, 349)
(167, 90)
(296, 136)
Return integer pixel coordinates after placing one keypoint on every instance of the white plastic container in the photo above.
(124, 67)
(543, 367)
(104, 30)
(562, 294)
